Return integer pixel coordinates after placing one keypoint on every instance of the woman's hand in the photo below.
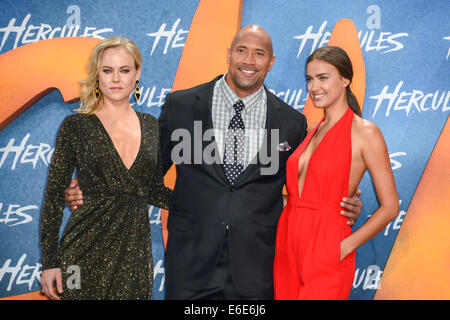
(345, 249)
(48, 277)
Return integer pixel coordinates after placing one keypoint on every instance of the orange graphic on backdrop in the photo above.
(418, 266)
(36, 69)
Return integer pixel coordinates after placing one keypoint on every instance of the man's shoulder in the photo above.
(193, 91)
(289, 113)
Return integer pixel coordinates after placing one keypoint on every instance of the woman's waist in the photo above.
(93, 193)
(327, 204)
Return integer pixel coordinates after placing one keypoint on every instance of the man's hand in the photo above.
(48, 278)
(353, 207)
(73, 195)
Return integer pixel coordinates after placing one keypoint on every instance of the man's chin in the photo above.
(247, 86)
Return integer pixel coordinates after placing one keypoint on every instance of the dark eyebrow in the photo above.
(318, 75)
(241, 46)
(127, 66)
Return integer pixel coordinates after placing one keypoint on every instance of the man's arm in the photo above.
(73, 195)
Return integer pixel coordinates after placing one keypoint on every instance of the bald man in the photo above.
(228, 195)
(222, 225)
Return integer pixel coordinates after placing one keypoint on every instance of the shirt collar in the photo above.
(230, 97)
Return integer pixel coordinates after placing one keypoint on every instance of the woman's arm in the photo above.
(376, 158)
(60, 172)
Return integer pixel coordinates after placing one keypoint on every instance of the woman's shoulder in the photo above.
(77, 117)
(146, 117)
(364, 126)
(77, 121)
(366, 130)
(149, 121)
(74, 119)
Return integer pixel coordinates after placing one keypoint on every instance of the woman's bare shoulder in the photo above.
(366, 132)
(364, 127)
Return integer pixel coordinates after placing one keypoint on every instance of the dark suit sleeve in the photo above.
(165, 143)
(159, 194)
(300, 128)
(305, 130)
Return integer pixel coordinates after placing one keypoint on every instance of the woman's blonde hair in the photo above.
(88, 100)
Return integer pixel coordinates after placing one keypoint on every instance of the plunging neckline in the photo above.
(314, 151)
(114, 147)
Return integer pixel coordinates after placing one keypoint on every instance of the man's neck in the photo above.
(238, 92)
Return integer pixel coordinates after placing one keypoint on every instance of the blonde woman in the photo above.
(115, 152)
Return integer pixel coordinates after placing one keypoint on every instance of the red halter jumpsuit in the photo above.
(307, 255)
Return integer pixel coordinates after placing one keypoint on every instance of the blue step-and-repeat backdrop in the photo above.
(406, 50)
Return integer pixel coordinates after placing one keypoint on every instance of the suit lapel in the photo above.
(265, 151)
(204, 109)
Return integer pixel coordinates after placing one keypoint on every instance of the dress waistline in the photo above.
(317, 205)
(116, 194)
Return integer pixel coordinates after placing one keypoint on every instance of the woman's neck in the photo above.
(117, 110)
(333, 113)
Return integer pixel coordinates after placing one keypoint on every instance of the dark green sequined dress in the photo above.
(108, 237)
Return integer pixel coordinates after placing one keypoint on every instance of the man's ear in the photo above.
(272, 61)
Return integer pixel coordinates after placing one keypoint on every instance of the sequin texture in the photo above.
(108, 237)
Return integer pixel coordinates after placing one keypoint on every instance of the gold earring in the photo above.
(97, 91)
(137, 92)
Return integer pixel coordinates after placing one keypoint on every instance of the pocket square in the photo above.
(284, 146)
